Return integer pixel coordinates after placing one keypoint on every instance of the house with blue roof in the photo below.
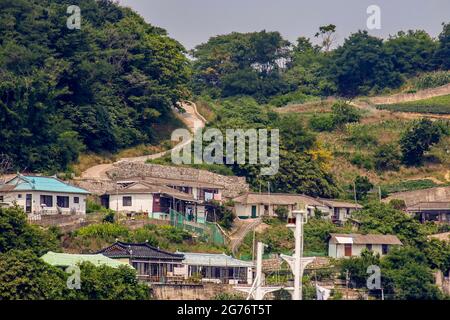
(43, 195)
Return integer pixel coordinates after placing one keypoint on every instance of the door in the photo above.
(348, 250)
(28, 203)
(253, 212)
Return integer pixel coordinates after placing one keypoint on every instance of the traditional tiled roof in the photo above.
(138, 250)
(210, 259)
(67, 260)
(37, 183)
(276, 198)
(433, 206)
(142, 187)
(364, 239)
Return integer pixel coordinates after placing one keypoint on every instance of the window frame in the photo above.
(58, 203)
(43, 200)
(128, 202)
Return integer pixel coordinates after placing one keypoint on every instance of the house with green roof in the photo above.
(43, 195)
(65, 260)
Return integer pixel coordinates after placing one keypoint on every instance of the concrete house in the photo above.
(436, 211)
(351, 245)
(154, 200)
(340, 211)
(43, 195)
(217, 268)
(254, 205)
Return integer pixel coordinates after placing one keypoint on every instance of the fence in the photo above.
(211, 230)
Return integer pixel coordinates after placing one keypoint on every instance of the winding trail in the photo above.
(243, 227)
(191, 117)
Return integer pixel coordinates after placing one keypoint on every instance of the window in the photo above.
(19, 196)
(2, 199)
(47, 201)
(369, 247)
(385, 249)
(127, 202)
(76, 200)
(62, 201)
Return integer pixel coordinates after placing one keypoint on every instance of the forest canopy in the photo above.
(100, 88)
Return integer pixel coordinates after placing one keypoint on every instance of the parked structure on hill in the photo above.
(43, 195)
(350, 245)
(253, 205)
(436, 211)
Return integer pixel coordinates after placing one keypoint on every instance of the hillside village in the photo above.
(366, 167)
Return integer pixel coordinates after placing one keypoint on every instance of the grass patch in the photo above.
(408, 186)
(436, 105)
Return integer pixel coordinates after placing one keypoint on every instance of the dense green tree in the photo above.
(362, 65)
(24, 276)
(17, 234)
(442, 55)
(412, 52)
(240, 64)
(417, 140)
(102, 88)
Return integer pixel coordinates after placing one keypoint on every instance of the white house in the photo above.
(43, 195)
(351, 245)
(154, 200)
(340, 211)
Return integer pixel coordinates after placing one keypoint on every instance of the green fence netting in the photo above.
(208, 229)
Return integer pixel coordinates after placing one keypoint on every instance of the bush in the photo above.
(324, 122)
(344, 113)
(432, 80)
(362, 161)
(105, 231)
(387, 157)
(282, 213)
(360, 136)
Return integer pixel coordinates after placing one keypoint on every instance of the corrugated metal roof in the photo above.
(37, 183)
(66, 260)
(364, 239)
(211, 259)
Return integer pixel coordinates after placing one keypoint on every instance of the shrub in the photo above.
(282, 213)
(324, 122)
(105, 231)
(362, 161)
(387, 157)
(344, 113)
(360, 136)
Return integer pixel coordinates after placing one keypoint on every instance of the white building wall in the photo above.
(139, 203)
(20, 198)
(338, 250)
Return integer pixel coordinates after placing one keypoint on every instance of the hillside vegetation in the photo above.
(108, 86)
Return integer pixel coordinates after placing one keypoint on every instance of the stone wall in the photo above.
(426, 195)
(206, 291)
(234, 186)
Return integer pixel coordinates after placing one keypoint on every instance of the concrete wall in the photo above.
(413, 197)
(206, 291)
(19, 197)
(140, 203)
(233, 186)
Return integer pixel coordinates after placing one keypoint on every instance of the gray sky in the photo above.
(193, 21)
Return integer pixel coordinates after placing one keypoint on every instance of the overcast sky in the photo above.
(193, 21)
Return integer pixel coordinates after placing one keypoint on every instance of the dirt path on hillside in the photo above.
(190, 117)
(369, 104)
(243, 227)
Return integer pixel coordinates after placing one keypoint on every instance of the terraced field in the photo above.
(435, 105)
